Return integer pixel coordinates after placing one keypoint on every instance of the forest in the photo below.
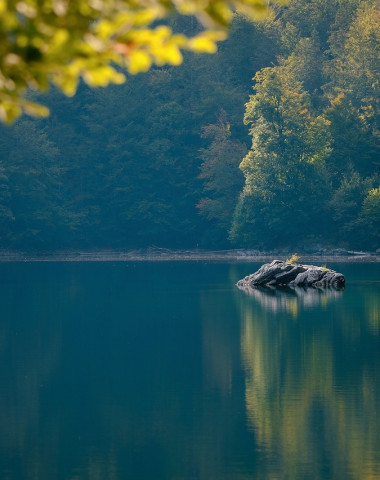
(271, 142)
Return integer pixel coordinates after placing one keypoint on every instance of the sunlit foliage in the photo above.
(62, 41)
(314, 122)
(153, 162)
(293, 259)
(285, 171)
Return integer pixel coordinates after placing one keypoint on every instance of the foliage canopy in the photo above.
(155, 161)
(62, 41)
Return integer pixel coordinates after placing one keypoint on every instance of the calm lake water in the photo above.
(118, 371)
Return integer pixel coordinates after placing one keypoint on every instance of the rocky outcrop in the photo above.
(279, 273)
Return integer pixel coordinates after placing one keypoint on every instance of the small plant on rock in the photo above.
(293, 259)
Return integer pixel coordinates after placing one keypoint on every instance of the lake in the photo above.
(119, 370)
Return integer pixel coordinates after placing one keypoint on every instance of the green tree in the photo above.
(347, 200)
(286, 181)
(308, 16)
(339, 28)
(355, 71)
(222, 180)
(306, 62)
(353, 141)
(369, 219)
(6, 214)
(34, 186)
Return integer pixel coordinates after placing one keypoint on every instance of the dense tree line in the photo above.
(312, 173)
(156, 161)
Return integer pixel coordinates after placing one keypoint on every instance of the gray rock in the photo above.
(289, 275)
(265, 274)
(279, 273)
(310, 276)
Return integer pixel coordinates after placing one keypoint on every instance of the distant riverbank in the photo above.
(154, 254)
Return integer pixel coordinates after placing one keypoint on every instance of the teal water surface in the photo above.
(167, 371)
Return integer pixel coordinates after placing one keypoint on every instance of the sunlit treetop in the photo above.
(59, 42)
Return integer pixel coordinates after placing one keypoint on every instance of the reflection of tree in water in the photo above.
(291, 299)
(312, 394)
(29, 354)
(163, 394)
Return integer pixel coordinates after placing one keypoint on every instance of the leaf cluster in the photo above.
(62, 41)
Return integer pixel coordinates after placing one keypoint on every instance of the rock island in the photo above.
(281, 273)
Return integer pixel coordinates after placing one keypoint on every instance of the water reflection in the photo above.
(194, 380)
(291, 299)
(100, 379)
(312, 390)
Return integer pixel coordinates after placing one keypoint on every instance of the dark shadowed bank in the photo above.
(163, 254)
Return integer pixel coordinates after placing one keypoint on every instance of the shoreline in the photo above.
(167, 255)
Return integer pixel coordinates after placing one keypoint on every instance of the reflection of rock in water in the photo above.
(287, 298)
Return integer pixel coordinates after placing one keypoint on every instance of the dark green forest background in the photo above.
(156, 161)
